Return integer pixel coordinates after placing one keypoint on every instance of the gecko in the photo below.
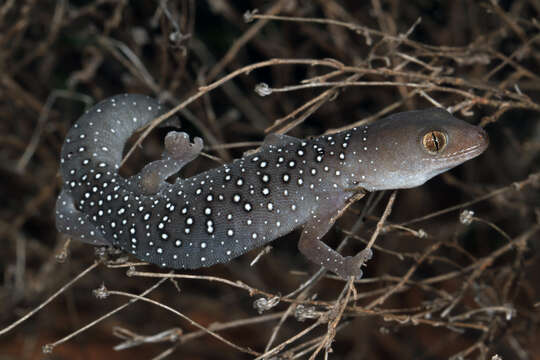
(222, 213)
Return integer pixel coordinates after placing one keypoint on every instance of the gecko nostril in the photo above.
(483, 136)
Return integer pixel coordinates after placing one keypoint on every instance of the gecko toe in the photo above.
(353, 264)
(197, 144)
(178, 145)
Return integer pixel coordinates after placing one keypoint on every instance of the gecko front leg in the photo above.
(317, 251)
(178, 152)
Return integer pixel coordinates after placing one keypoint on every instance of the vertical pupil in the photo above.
(435, 141)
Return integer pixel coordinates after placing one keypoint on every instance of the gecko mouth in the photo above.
(470, 152)
(481, 144)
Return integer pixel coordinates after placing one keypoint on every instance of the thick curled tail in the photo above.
(91, 156)
(97, 139)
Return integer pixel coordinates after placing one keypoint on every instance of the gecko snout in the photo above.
(482, 134)
(482, 138)
(475, 142)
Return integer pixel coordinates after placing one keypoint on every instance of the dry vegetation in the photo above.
(455, 266)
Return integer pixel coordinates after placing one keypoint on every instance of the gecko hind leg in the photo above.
(178, 152)
(74, 223)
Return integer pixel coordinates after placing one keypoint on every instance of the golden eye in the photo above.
(434, 141)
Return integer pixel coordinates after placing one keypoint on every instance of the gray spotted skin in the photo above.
(90, 160)
(222, 213)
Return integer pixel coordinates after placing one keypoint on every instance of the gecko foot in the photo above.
(178, 146)
(353, 264)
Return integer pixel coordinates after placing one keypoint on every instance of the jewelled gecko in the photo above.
(224, 212)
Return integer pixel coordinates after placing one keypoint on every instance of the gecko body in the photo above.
(224, 212)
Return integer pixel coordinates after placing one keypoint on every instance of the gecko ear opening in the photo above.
(434, 141)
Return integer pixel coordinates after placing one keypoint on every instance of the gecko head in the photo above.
(409, 148)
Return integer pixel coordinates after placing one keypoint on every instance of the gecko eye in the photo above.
(434, 141)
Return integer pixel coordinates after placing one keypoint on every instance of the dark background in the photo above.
(472, 290)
